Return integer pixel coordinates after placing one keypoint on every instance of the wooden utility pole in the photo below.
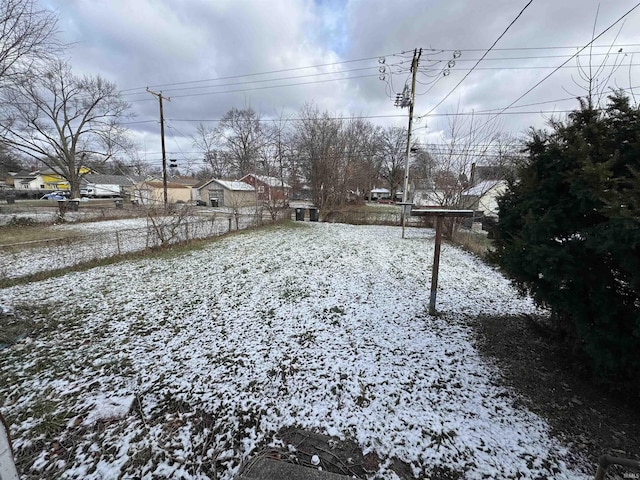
(164, 153)
(405, 190)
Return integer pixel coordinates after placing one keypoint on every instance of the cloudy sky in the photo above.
(349, 57)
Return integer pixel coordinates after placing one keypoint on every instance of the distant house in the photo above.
(44, 179)
(484, 196)
(151, 192)
(226, 193)
(269, 189)
(54, 181)
(379, 194)
(191, 183)
(25, 180)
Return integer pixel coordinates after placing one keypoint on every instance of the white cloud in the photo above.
(163, 43)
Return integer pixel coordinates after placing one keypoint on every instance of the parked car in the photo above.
(57, 195)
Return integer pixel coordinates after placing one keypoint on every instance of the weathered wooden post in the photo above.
(440, 214)
(436, 267)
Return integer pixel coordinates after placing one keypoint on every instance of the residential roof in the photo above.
(380, 190)
(156, 184)
(235, 186)
(483, 187)
(27, 174)
(202, 183)
(98, 178)
(191, 182)
(270, 181)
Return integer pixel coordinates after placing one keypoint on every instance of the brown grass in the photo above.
(476, 243)
(11, 235)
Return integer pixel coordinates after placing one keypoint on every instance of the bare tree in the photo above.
(8, 161)
(319, 149)
(208, 141)
(594, 79)
(275, 157)
(394, 147)
(364, 155)
(242, 137)
(62, 119)
(27, 39)
(463, 145)
(421, 167)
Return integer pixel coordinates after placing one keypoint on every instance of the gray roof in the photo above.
(191, 182)
(98, 178)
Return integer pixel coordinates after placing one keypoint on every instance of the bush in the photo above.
(22, 222)
(569, 234)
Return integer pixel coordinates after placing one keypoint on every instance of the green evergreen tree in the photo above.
(569, 233)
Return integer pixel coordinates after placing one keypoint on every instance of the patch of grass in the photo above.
(22, 231)
(476, 243)
(13, 329)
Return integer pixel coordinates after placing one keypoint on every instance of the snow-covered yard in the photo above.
(181, 366)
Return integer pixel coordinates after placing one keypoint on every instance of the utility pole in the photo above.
(403, 100)
(164, 153)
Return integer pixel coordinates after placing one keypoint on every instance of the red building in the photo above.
(270, 190)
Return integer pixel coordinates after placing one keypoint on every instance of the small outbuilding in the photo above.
(227, 193)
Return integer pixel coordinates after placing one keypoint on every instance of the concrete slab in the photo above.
(269, 469)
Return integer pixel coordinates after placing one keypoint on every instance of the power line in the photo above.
(397, 54)
(265, 87)
(355, 77)
(560, 66)
(265, 73)
(252, 82)
(532, 57)
(481, 58)
(538, 67)
(530, 48)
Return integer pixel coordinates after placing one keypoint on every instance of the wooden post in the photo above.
(436, 266)
(118, 242)
(439, 213)
(164, 153)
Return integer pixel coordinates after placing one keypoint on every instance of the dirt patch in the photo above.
(313, 450)
(542, 371)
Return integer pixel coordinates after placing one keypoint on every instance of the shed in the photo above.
(227, 193)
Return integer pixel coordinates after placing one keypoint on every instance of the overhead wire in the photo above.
(483, 56)
(558, 67)
(291, 69)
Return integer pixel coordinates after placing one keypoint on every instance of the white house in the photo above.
(484, 196)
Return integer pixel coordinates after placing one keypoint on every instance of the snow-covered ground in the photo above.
(179, 367)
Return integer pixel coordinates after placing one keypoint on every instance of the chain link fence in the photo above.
(23, 259)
